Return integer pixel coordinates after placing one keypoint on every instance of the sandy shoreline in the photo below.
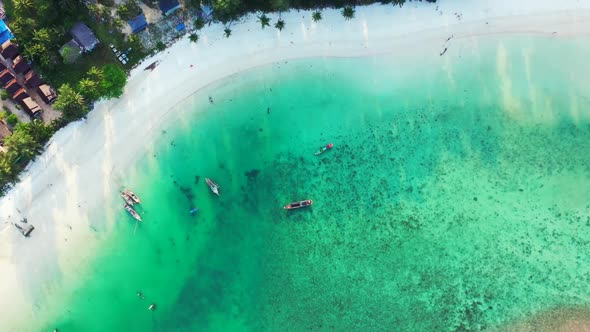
(81, 168)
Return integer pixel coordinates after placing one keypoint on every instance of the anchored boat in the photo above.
(323, 149)
(213, 186)
(298, 205)
(127, 199)
(132, 195)
(132, 212)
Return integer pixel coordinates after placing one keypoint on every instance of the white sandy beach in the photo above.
(81, 167)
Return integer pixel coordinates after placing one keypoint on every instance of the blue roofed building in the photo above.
(5, 33)
(137, 24)
(207, 12)
(169, 6)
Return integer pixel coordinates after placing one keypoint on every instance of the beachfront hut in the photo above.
(12, 86)
(207, 12)
(31, 107)
(138, 24)
(46, 93)
(20, 65)
(5, 76)
(84, 37)
(169, 6)
(5, 33)
(9, 50)
(70, 52)
(31, 79)
(20, 95)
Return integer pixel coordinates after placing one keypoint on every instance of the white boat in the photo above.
(213, 186)
(132, 212)
(132, 195)
(127, 199)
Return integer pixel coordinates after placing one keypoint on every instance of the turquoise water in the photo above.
(455, 199)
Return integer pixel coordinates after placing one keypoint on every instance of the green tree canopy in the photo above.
(199, 23)
(226, 10)
(280, 24)
(89, 89)
(264, 20)
(316, 16)
(279, 5)
(348, 12)
(70, 103)
(113, 81)
(37, 129)
(193, 37)
(12, 119)
(21, 146)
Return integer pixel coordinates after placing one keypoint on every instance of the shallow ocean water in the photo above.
(456, 198)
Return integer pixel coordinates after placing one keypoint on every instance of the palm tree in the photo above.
(89, 88)
(316, 16)
(264, 20)
(70, 103)
(348, 12)
(280, 24)
(399, 2)
(227, 32)
(95, 74)
(193, 37)
(22, 5)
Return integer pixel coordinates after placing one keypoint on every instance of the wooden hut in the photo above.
(31, 107)
(46, 93)
(6, 76)
(12, 86)
(32, 80)
(8, 50)
(20, 95)
(20, 65)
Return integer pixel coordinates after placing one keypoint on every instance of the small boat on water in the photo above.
(132, 195)
(323, 149)
(298, 205)
(132, 212)
(127, 199)
(213, 186)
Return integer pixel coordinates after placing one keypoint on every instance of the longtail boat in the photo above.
(213, 186)
(323, 149)
(298, 205)
(132, 212)
(127, 199)
(132, 195)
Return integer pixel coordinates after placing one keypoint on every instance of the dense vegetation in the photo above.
(227, 10)
(26, 141)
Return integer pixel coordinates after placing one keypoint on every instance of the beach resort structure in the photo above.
(46, 93)
(83, 40)
(20, 81)
(169, 6)
(138, 24)
(9, 50)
